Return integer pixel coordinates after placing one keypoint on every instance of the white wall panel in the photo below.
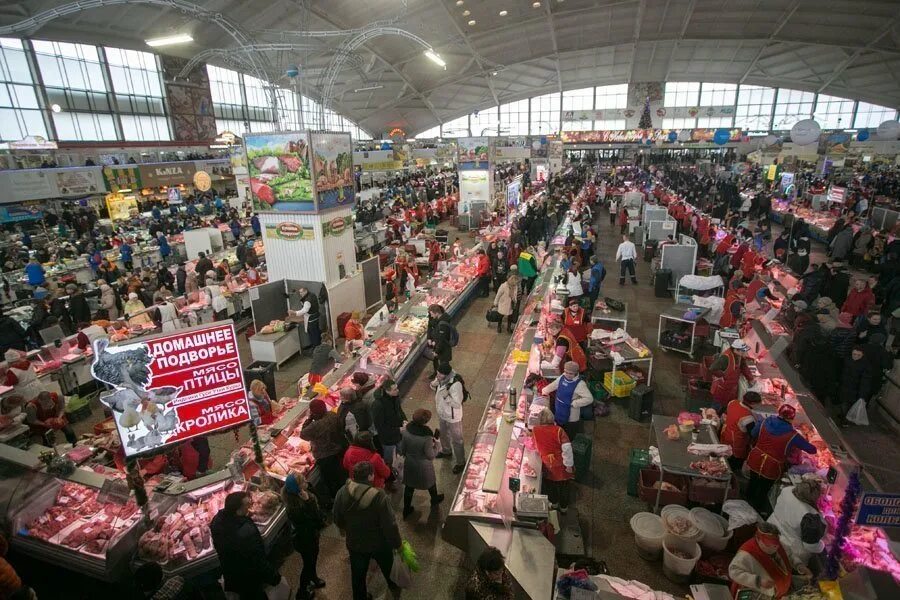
(301, 259)
(338, 249)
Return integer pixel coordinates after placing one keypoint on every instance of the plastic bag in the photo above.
(858, 413)
(400, 572)
(740, 513)
(399, 463)
(282, 591)
(408, 555)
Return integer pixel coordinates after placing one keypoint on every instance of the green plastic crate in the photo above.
(582, 446)
(639, 458)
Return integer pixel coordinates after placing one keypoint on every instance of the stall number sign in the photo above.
(879, 510)
(170, 388)
(836, 194)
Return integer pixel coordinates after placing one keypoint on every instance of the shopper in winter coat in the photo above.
(860, 300)
(483, 272)
(490, 580)
(869, 326)
(856, 380)
(307, 521)
(388, 418)
(108, 302)
(364, 514)
(325, 434)
(842, 337)
(238, 543)
(842, 244)
(361, 450)
(838, 284)
(448, 397)
(79, 311)
(419, 448)
(12, 336)
(354, 413)
(506, 301)
(439, 330)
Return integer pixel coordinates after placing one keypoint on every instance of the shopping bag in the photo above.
(282, 591)
(438, 446)
(428, 353)
(399, 463)
(400, 573)
(493, 316)
(858, 413)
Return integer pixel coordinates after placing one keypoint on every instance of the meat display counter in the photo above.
(503, 446)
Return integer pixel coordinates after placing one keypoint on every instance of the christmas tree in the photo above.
(646, 122)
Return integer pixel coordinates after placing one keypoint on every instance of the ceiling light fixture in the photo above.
(466, 13)
(459, 2)
(436, 58)
(181, 38)
(536, 5)
(56, 108)
(369, 88)
(472, 22)
(503, 13)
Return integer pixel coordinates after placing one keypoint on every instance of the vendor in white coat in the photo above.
(573, 283)
(572, 394)
(795, 503)
(166, 315)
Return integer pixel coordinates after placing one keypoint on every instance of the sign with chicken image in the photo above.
(169, 388)
(332, 161)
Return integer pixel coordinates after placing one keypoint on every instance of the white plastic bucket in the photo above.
(676, 568)
(648, 535)
(674, 511)
(714, 527)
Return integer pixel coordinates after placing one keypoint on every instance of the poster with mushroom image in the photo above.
(332, 158)
(280, 173)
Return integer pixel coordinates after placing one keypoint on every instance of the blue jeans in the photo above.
(387, 453)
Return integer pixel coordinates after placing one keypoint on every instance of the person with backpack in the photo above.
(449, 396)
(363, 449)
(442, 337)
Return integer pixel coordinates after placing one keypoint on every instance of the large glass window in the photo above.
(612, 96)
(545, 114)
(434, 132)
(141, 128)
(71, 66)
(312, 118)
(20, 114)
(609, 125)
(872, 115)
(713, 122)
(754, 108)
(225, 88)
(259, 100)
(582, 99)
(718, 94)
(486, 122)
(514, 118)
(288, 110)
(678, 123)
(235, 127)
(833, 113)
(84, 126)
(682, 93)
(137, 83)
(457, 127)
(792, 106)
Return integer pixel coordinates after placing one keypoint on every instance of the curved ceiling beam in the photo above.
(219, 52)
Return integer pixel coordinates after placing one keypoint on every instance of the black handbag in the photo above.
(493, 316)
(614, 304)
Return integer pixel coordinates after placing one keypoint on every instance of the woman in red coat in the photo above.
(362, 450)
(860, 299)
(556, 457)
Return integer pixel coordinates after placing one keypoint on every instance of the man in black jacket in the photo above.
(856, 381)
(11, 334)
(364, 514)
(388, 418)
(79, 311)
(180, 279)
(203, 265)
(439, 336)
(241, 552)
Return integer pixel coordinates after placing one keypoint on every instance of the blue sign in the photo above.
(862, 135)
(721, 136)
(673, 135)
(879, 510)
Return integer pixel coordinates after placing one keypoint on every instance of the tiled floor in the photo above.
(602, 504)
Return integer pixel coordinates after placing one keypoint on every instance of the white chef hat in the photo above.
(740, 344)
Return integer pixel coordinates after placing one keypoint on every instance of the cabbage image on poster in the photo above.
(333, 169)
(280, 174)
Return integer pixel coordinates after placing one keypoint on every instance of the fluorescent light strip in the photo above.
(181, 38)
(366, 89)
(436, 58)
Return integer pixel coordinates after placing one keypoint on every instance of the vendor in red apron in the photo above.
(565, 347)
(759, 285)
(761, 565)
(730, 365)
(262, 408)
(575, 320)
(733, 309)
(45, 414)
(557, 459)
(775, 439)
(739, 421)
(572, 393)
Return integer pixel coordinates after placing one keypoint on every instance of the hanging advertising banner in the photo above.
(122, 178)
(473, 153)
(280, 172)
(173, 387)
(29, 184)
(217, 168)
(637, 136)
(445, 152)
(474, 186)
(514, 193)
(120, 207)
(290, 232)
(167, 174)
(879, 510)
(332, 160)
(79, 181)
(555, 150)
(16, 213)
(511, 152)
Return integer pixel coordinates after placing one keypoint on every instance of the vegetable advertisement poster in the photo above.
(170, 388)
(473, 153)
(280, 174)
(332, 155)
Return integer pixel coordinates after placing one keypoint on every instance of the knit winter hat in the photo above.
(317, 408)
